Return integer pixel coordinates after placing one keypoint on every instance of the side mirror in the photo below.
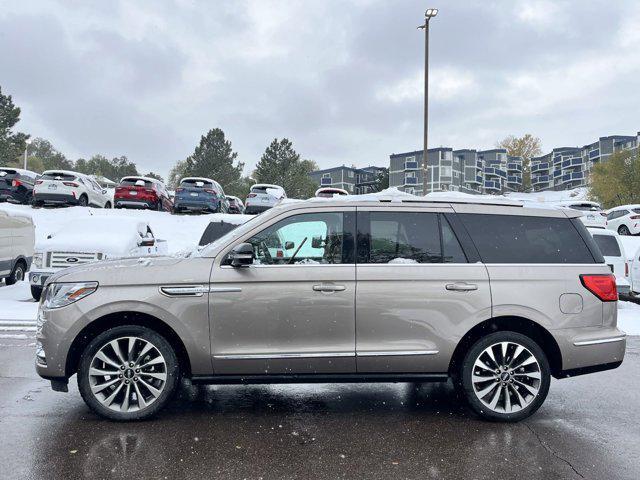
(289, 245)
(104, 191)
(241, 255)
(316, 242)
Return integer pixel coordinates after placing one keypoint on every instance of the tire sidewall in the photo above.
(467, 371)
(84, 201)
(173, 372)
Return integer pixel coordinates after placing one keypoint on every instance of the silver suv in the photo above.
(496, 297)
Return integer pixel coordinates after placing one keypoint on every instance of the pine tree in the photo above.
(281, 165)
(12, 145)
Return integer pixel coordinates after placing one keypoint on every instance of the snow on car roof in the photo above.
(624, 207)
(101, 234)
(138, 177)
(19, 170)
(63, 172)
(198, 179)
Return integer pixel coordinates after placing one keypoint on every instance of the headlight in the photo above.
(62, 294)
(37, 260)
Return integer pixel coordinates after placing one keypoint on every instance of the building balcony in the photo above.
(411, 165)
(410, 180)
(326, 181)
(491, 185)
(540, 179)
(514, 167)
(514, 179)
(538, 167)
(594, 153)
(572, 162)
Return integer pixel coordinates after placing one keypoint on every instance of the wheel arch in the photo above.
(521, 325)
(101, 324)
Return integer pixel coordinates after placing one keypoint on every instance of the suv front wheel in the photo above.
(128, 373)
(505, 377)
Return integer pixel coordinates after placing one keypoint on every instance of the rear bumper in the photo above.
(590, 349)
(196, 206)
(55, 198)
(130, 203)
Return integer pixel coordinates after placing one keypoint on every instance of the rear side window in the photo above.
(608, 245)
(522, 239)
(196, 184)
(406, 238)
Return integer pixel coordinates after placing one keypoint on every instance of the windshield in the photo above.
(135, 182)
(58, 176)
(235, 233)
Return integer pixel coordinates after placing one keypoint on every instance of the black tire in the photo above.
(36, 292)
(623, 230)
(159, 207)
(467, 370)
(18, 273)
(37, 203)
(146, 334)
(83, 201)
(107, 205)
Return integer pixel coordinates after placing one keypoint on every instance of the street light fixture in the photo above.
(428, 15)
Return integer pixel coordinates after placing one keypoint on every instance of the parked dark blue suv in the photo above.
(16, 185)
(196, 194)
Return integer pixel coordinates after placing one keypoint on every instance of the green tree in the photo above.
(11, 144)
(213, 158)
(281, 165)
(154, 175)
(526, 147)
(240, 188)
(113, 169)
(616, 181)
(42, 155)
(382, 180)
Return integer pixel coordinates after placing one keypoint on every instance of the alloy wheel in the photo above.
(506, 377)
(127, 374)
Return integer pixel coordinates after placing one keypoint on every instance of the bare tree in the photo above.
(526, 147)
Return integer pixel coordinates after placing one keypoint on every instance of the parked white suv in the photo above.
(624, 219)
(91, 239)
(62, 187)
(16, 246)
(612, 250)
(592, 213)
(262, 197)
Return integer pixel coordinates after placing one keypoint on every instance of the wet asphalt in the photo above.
(588, 428)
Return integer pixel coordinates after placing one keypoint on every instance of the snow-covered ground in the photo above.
(182, 232)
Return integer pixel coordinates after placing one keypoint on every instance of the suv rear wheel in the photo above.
(17, 275)
(505, 377)
(128, 373)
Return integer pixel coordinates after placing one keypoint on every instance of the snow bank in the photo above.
(182, 232)
(629, 318)
(16, 303)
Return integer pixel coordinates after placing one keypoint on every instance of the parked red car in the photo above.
(142, 192)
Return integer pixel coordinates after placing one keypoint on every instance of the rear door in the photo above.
(418, 291)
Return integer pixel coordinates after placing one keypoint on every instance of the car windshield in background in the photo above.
(259, 189)
(196, 184)
(635, 210)
(136, 182)
(65, 177)
(214, 231)
(608, 245)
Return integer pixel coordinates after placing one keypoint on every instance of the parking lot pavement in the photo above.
(588, 428)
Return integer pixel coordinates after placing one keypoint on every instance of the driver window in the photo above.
(309, 238)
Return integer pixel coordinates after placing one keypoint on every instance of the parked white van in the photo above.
(612, 250)
(89, 240)
(17, 237)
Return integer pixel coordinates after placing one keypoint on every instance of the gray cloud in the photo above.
(341, 79)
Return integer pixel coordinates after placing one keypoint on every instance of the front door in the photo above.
(418, 291)
(293, 310)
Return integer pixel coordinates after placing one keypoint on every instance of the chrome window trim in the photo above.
(394, 353)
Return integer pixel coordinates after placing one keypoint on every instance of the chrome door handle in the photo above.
(461, 287)
(323, 287)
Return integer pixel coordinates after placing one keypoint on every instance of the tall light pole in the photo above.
(428, 15)
(26, 147)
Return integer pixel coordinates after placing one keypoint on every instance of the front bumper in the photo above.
(38, 278)
(55, 199)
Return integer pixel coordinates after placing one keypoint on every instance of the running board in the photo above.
(320, 378)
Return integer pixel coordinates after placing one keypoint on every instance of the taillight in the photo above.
(178, 190)
(251, 195)
(634, 217)
(38, 182)
(71, 184)
(16, 183)
(211, 191)
(602, 286)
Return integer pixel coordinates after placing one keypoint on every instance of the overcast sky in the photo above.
(341, 79)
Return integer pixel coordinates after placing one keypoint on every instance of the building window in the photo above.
(445, 171)
(350, 174)
(325, 181)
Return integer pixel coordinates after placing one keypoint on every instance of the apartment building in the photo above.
(354, 180)
(466, 170)
(568, 167)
